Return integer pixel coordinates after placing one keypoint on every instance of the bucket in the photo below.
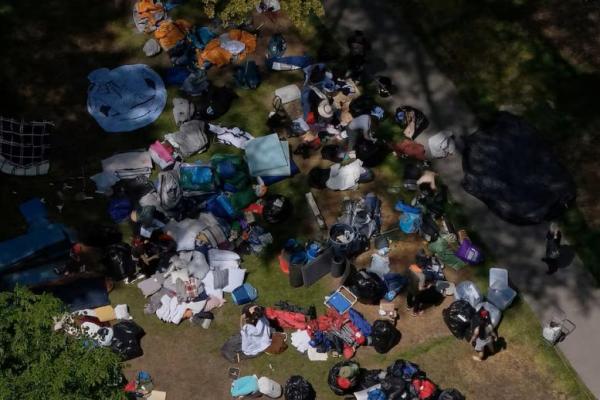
(341, 237)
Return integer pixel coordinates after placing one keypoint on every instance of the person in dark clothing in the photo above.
(484, 336)
(417, 285)
(153, 254)
(553, 238)
(358, 46)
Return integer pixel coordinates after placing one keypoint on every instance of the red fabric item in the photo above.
(286, 319)
(284, 263)
(130, 387)
(424, 388)
(310, 118)
(348, 352)
(343, 383)
(410, 148)
(255, 208)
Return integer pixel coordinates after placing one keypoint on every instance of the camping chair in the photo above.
(341, 300)
(500, 293)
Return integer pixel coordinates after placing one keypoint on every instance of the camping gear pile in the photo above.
(98, 327)
(401, 380)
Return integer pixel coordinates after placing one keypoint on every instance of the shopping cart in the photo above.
(558, 328)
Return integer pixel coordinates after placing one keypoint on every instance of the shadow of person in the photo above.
(567, 255)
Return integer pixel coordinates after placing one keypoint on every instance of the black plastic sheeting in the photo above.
(508, 166)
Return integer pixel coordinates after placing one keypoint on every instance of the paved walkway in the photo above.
(519, 249)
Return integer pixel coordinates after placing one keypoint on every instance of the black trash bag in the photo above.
(277, 208)
(332, 379)
(508, 167)
(451, 394)
(369, 378)
(395, 388)
(403, 369)
(371, 154)
(215, 102)
(99, 235)
(459, 318)
(126, 340)
(368, 287)
(298, 388)
(385, 336)
(119, 263)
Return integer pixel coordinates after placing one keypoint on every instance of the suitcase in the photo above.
(244, 294)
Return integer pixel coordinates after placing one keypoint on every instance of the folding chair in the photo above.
(341, 300)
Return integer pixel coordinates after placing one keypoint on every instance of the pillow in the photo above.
(220, 278)
(179, 274)
(105, 313)
(224, 264)
(222, 255)
(236, 279)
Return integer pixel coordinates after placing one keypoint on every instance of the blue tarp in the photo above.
(30, 259)
(126, 98)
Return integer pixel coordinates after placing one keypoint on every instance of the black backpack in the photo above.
(119, 262)
(385, 336)
(277, 208)
(459, 317)
(367, 286)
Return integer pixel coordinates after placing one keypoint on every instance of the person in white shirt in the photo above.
(256, 332)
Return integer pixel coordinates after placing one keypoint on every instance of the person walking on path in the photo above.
(484, 336)
(553, 238)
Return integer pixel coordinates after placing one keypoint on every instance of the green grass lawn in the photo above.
(512, 65)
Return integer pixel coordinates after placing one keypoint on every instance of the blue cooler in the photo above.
(244, 294)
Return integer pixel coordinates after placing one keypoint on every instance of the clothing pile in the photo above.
(100, 328)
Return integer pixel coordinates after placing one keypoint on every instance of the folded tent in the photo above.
(126, 98)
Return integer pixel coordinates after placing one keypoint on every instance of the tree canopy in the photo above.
(38, 363)
(298, 11)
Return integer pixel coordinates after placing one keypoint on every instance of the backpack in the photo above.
(403, 369)
(247, 75)
(469, 253)
(119, 262)
(424, 389)
(385, 336)
(169, 190)
(277, 208)
(421, 121)
(277, 46)
(367, 286)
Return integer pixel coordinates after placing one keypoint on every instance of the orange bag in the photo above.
(213, 53)
(169, 33)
